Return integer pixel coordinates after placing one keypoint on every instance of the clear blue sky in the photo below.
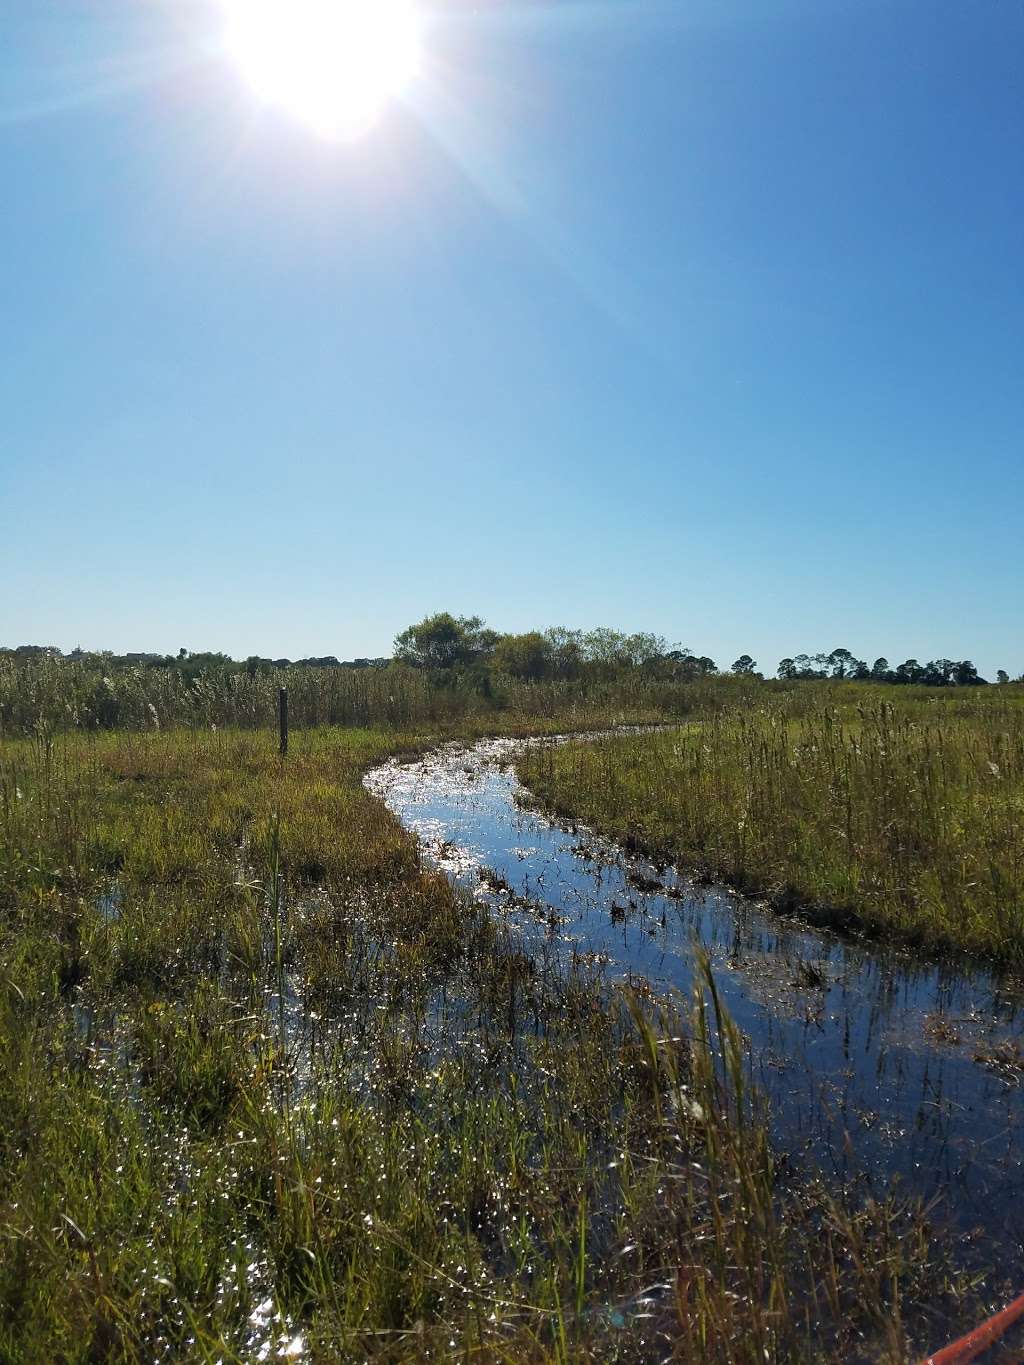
(704, 318)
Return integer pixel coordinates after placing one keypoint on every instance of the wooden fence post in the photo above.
(283, 719)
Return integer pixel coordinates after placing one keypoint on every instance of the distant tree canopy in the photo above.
(462, 651)
(445, 641)
(842, 664)
(529, 656)
(684, 665)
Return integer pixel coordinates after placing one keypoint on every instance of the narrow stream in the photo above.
(878, 1067)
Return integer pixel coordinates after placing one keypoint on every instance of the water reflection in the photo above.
(878, 1066)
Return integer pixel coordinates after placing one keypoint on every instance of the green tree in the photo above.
(966, 675)
(528, 656)
(910, 671)
(810, 665)
(445, 641)
(744, 665)
(841, 663)
(566, 650)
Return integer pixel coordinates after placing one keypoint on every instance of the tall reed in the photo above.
(900, 815)
(478, 1154)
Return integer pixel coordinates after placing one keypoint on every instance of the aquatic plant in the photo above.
(889, 813)
(291, 1095)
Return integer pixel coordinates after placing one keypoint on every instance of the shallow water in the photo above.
(878, 1066)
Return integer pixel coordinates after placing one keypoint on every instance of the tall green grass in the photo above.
(902, 815)
(55, 695)
(266, 1080)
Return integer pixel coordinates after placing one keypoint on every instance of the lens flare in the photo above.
(332, 64)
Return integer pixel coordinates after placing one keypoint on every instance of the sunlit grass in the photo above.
(902, 814)
(266, 1079)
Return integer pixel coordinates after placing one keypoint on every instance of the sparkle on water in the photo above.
(879, 1068)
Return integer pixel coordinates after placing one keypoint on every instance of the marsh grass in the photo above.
(900, 816)
(58, 694)
(268, 1084)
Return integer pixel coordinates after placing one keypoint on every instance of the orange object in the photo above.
(971, 1346)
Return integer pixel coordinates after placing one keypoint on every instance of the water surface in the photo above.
(879, 1066)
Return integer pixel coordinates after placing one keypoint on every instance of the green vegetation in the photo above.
(451, 653)
(445, 670)
(264, 1081)
(840, 664)
(52, 694)
(900, 811)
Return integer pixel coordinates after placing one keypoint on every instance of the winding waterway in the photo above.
(878, 1066)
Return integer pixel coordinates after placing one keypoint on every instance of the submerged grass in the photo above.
(270, 1089)
(900, 815)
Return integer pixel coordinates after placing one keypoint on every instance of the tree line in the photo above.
(190, 663)
(456, 649)
(446, 642)
(443, 641)
(840, 664)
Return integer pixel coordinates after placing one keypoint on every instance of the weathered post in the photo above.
(282, 713)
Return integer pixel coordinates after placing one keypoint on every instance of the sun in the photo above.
(332, 64)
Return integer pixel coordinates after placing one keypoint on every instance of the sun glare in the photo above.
(333, 64)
